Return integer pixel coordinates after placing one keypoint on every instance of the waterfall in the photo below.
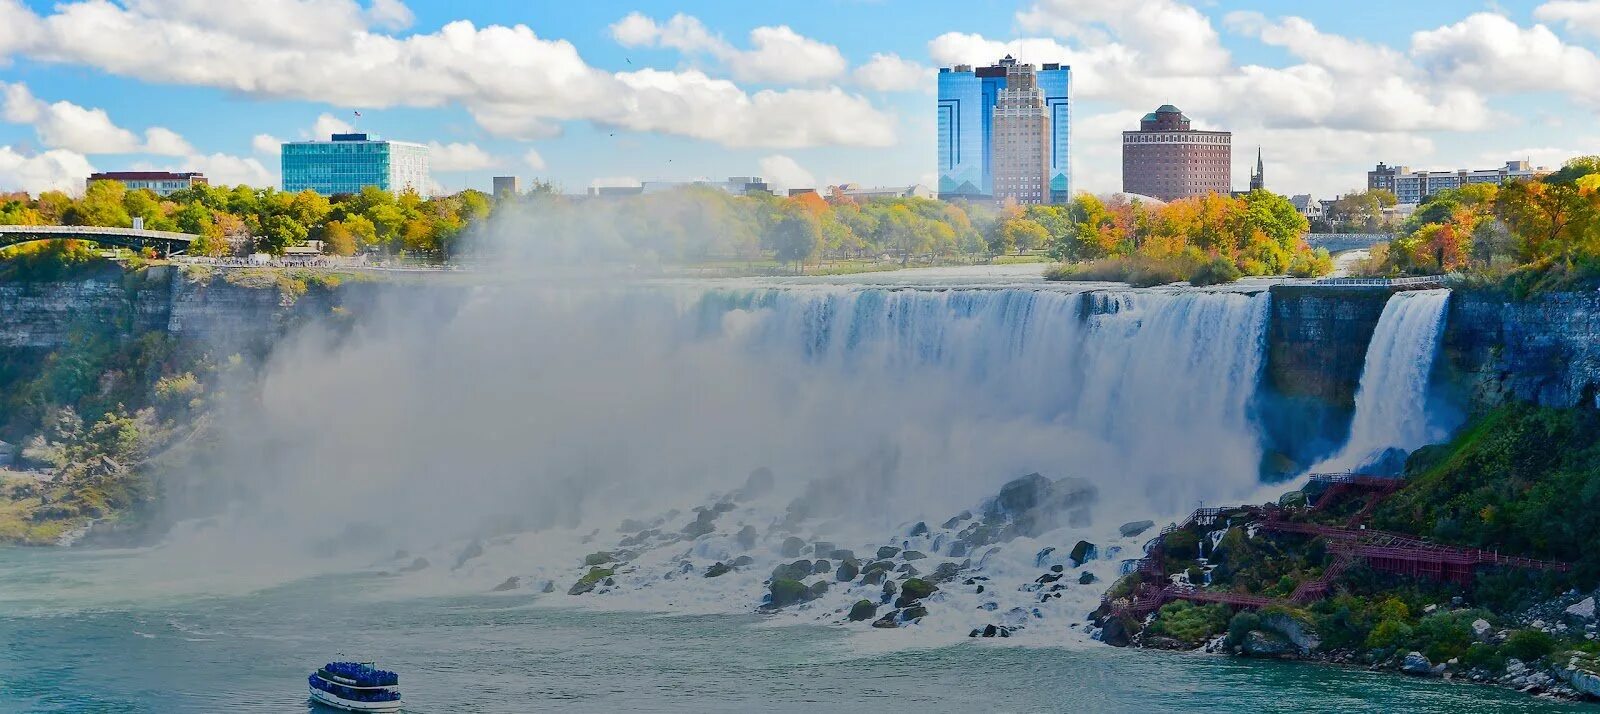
(1391, 401)
(1151, 388)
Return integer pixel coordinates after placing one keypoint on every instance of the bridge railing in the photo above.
(97, 230)
(1384, 282)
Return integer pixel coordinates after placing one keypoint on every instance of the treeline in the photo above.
(1205, 239)
(242, 219)
(1541, 232)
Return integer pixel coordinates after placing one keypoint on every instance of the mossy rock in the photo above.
(798, 570)
(818, 589)
(863, 610)
(788, 592)
(887, 552)
(847, 571)
(917, 588)
(791, 547)
(718, 569)
(914, 612)
(590, 580)
(598, 558)
(820, 567)
(912, 555)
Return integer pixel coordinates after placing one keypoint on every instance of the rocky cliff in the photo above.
(1544, 350)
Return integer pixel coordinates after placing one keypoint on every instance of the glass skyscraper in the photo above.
(351, 162)
(967, 99)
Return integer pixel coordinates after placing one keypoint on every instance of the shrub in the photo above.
(1190, 623)
(1528, 645)
(1216, 272)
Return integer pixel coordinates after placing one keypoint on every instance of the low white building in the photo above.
(851, 190)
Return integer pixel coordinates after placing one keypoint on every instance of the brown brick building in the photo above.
(1166, 159)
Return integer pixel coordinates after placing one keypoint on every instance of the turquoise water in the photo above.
(69, 650)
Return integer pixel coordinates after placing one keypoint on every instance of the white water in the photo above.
(1391, 401)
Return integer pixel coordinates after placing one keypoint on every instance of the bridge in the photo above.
(1419, 282)
(164, 242)
(1345, 242)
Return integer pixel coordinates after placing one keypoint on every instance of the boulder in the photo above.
(990, 631)
(887, 552)
(1034, 505)
(1416, 664)
(912, 555)
(821, 566)
(1115, 632)
(840, 554)
(913, 613)
(791, 547)
(958, 549)
(1083, 552)
(890, 587)
(757, 484)
(798, 570)
(511, 583)
(945, 572)
(742, 561)
(1302, 635)
(1133, 528)
(1086, 578)
(704, 522)
(1482, 631)
(549, 587)
(473, 550)
(818, 589)
(746, 538)
(1582, 610)
(848, 570)
(788, 592)
(590, 580)
(909, 569)
(630, 525)
(821, 548)
(890, 619)
(1261, 643)
(920, 528)
(718, 569)
(600, 558)
(863, 610)
(873, 577)
(917, 588)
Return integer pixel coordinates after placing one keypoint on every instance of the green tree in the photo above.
(278, 233)
(101, 205)
(796, 238)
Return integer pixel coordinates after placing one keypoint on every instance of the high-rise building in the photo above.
(1021, 135)
(969, 121)
(1410, 187)
(506, 185)
(161, 182)
(1165, 159)
(351, 162)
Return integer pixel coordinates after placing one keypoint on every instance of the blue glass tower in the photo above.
(967, 99)
(351, 162)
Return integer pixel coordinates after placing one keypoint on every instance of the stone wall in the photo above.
(1317, 340)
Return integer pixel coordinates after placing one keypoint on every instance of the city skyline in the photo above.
(683, 90)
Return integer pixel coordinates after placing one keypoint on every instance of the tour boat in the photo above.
(356, 687)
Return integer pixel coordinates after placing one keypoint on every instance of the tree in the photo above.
(338, 239)
(796, 237)
(102, 205)
(278, 233)
(1019, 232)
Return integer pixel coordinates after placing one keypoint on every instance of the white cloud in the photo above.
(778, 54)
(1169, 37)
(458, 157)
(786, 173)
(64, 125)
(1489, 50)
(266, 145)
(390, 14)
(533, 160)
(327, 125)
(18, 28)
(54, 170)
(226, 169)
(494, 72)
(891, 73)
(1576, 15)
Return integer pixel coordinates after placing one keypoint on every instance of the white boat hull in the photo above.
(327, 699)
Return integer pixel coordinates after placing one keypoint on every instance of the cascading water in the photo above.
(1391, 401)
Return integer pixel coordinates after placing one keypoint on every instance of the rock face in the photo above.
(1545, 350)
(1296, 632)
(1031, 506)
(1416, 664)
(1317, 341)
(1133, 528)
(1266, 644)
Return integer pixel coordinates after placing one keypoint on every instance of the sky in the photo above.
(807, 95)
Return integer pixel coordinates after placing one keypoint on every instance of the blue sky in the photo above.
(827, 92)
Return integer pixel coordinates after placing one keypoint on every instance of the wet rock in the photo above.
(1086, 578)
(889, 620)
(630, 525)
(1083, 552)
(945, 573)
(912, 555)
(746, 538)
(919, 529)
(957, 519)
(722, 506)
(913, 613)
(417, 564)
(1416, 664)
(718, 569)
(756, 485)
(600, 558)
(511, 583)
(863, 610)
(887, 552)
(1260, 643)
(1114, 633)
(841, 554)
(1056, 568)
(473, 550)
(874, 577)
(820, 567)
(909, 569)
(1047, 578)
(549, 587)
(884, 565)
(848, 570)
(791, 547)
(742, 561)
(798, 570)
(788, 592)
(1033, 505)
(821, 548)
(1043, 555)
(590, 580)
(1133, 528)
(818, 589)
(890, 588)
(703, 523)
(958, 549)
(1301, 635)
(917, 588)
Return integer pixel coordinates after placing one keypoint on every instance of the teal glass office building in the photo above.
(351, 162)
(967, 98)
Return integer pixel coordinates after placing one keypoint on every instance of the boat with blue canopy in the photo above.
(356, 687)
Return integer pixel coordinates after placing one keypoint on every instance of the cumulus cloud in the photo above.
(533, 160)
(64, 125)
(266, 144)
(1168, 37)
(493, 71)
(1576, 15)
(458, 157)
(53, 170)
(891, 73)
(1490, 50)
(327, 125)
(784, 172)
(777, 54)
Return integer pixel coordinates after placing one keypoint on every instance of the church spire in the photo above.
(1258, 178)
